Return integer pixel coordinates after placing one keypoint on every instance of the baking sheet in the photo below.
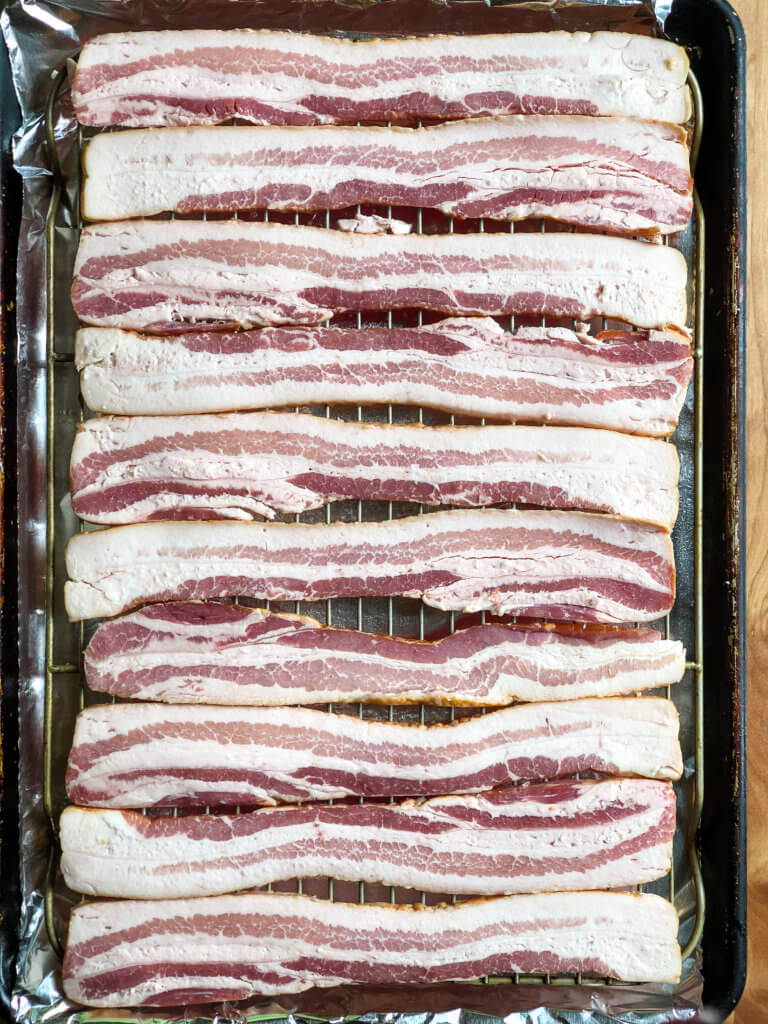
(43, 36)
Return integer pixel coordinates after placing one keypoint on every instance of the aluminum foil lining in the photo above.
(41, 37)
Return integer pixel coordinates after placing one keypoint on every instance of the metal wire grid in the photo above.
(395, 616)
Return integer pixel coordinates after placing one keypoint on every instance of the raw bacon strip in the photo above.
(611, 173)
(177, 952)
(155, 275)
(165, 755)
(128, 470)
(556, 836)
(561, 565)
(205, 77)
(226, 654)
(630, 381)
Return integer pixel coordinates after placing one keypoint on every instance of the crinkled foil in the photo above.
(41, 37)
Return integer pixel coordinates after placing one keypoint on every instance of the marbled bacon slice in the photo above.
(180, 952)
(212, 653)
(156, 275)
(554, 836)
(615, 174)
(164, 755)
(541, 564)
(204, 77)
(242, 465)
(633, 381)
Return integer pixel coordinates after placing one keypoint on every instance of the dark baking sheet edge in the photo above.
(10, 215)
(719, 61)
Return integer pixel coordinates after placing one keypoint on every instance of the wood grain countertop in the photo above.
(753, 1007)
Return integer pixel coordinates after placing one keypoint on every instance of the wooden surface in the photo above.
(753, 1007)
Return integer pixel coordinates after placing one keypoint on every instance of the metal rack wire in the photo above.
(65, 691)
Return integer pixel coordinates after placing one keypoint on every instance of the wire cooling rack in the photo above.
(65, 690)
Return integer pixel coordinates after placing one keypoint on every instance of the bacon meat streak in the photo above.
(176, 952)
(204, 77)
(155, 275)
(555, 836)
(237, 466)
(165, 755)
(630, 381)
(561, 565)
(213, 653)
(609, 173)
